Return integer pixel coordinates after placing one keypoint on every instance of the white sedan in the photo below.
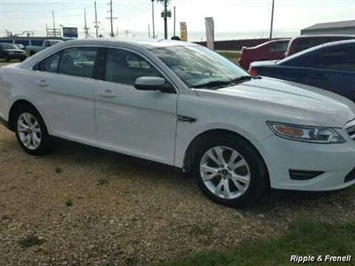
(183, 105)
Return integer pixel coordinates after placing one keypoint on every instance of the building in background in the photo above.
(341, 27)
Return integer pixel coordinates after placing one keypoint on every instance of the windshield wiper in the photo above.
(245, 78)
(220, 83)
(213, 83)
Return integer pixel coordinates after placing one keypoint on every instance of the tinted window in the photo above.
(125, 67)
(6, 41)
(8, 46)
(304, 44)
(50, 64)
(340, 58)
(36, 42)
(23, 42)
(279, 47)
(78, 61)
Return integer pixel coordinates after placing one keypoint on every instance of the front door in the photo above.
(138, 123)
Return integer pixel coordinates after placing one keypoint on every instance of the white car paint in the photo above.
(145, 124)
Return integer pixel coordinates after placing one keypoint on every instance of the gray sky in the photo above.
(233, 18)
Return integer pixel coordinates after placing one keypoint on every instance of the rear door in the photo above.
(64, 85)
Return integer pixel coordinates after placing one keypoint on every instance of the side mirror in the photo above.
(153, 84)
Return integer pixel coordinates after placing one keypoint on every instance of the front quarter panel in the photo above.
(212, 114)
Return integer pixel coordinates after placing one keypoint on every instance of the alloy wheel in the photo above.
(225, 172)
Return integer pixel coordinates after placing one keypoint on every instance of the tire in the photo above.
(7, 58)
(31, 131)
(32, 53)
(246, 183)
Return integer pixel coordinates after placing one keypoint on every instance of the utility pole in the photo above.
(86, 29)
(111, 18)
(272, 18)
(165, 14)
(166, 19)
(96, 23)
(153, 19)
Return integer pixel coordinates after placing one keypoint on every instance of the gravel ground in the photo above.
(92, 207)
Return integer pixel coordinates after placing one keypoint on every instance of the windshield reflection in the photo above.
(198, 66)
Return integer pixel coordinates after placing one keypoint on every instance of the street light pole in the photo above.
(166, 19)
(153, 20)
(272, 18)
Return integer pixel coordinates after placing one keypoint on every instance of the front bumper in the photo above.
(334, 162)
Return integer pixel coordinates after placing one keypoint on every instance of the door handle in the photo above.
(42, 83)
(107, 93)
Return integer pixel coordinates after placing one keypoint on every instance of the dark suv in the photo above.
(10, 51)
(301, 43)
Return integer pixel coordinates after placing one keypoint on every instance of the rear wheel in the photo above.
(230, 171)
(31, 132)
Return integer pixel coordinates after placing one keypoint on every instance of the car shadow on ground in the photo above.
(111, 160)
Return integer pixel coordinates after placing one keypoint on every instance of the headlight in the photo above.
(306, 133)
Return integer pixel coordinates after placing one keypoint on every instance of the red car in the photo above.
(272, 50)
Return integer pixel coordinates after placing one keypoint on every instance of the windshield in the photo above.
(199, 67)
(9, 46)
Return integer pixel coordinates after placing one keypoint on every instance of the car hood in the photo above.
(264, 63)
(286, 101)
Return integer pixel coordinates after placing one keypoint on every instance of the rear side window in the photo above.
(78, 61)
(339, 58)
(279, 47)
(304, 44)
(37, 42)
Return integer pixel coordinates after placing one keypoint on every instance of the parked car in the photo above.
(329, 66)
(9, 51)
(183, 105)
(271, 50)
(31, 50)
(301, 43)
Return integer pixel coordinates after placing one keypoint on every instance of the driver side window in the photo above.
(125, 67)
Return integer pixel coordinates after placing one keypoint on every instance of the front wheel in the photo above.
(31, 132)
(230, 171)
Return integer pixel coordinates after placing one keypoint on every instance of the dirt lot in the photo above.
(92, 207)
(126, 211)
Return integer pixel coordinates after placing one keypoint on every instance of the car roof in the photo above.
(323, 36)
(318, 47)
(133, 41)
(137, 43)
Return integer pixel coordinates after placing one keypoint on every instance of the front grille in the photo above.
(350, 128)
